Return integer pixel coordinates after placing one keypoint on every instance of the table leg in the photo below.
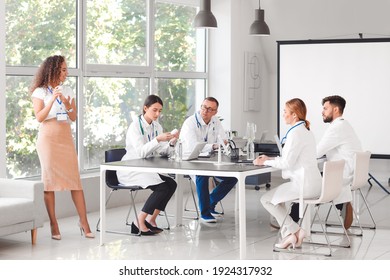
(242, 216)
(179, 200)
(102, 205)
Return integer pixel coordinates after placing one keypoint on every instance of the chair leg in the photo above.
(135, 212)
(195, 204)
(112, 231)
(369, 211)
(108, 199)
(279, 235)
(166, 218)
(342, 225)
(130, 208)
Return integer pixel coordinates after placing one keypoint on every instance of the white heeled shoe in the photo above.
(300, 235)
(87, 234)
(287, 242)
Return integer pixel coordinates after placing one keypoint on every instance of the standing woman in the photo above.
(55, 109)
(145, 138)
(299, 164)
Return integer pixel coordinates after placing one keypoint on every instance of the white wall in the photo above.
(228, 44)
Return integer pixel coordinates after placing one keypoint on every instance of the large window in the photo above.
(117, 52)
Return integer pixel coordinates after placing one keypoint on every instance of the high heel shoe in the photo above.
(153, 228)
(87, 235)
(136, 230)
(55, 236)
(287, 242)
(300, 235)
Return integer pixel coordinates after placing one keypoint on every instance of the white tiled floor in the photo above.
(195, 240)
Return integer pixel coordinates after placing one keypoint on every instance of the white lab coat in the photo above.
(143, 145)
(299, 164)
(341, 142)
(195, 130)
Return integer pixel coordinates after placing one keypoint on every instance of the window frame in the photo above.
(84, 70)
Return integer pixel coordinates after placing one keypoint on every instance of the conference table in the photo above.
(207, 167)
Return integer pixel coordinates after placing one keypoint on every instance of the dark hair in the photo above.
(150, 100)
(335, 100)
(212, 99)
(298, 107)
(48, 72)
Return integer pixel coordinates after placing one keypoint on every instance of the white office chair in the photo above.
(360, 180)
(362, 163)
(332, 182)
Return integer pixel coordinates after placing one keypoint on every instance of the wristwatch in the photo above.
(70, 110)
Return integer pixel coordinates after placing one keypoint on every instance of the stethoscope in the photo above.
(288, 131)
(142, 129)
(199, 125)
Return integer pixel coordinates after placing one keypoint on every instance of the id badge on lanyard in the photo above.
(61, 116)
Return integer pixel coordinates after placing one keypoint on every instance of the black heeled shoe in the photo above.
(153, 228)
(135, 230)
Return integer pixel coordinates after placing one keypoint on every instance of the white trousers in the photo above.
(279, 211)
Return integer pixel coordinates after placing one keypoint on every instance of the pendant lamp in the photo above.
(259, 27)
(205, 18)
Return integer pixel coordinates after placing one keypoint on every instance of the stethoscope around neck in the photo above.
(288, 131)
(199, 125)
(142, 129)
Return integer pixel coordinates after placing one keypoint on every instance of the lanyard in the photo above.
(150, 137)
(58, 100)
(285, 137)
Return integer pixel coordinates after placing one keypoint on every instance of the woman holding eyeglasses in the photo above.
(145, 138)
(299, 164)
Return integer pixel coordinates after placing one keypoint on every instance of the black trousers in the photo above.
(160, 196)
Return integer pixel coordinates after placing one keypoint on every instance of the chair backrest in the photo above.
(110, 156)
(332, 180)
(361, 165)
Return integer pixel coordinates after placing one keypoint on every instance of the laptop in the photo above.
(195, 152)
(277, 140)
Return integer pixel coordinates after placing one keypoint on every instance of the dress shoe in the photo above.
(87, 235)
(300, 234)
(287, 242)
(153, 228)
(135, 230)
(347, 214)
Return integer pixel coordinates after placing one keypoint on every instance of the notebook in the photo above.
(196, 151)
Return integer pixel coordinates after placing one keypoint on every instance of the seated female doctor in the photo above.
(299, 157)
(145, 138)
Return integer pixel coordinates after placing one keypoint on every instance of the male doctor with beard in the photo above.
(340, 142)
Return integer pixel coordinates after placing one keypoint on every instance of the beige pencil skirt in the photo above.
(57, 155)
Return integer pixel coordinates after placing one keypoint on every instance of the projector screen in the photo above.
(356, 69)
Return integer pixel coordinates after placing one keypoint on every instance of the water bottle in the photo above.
(179, 151)
(250, 150)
